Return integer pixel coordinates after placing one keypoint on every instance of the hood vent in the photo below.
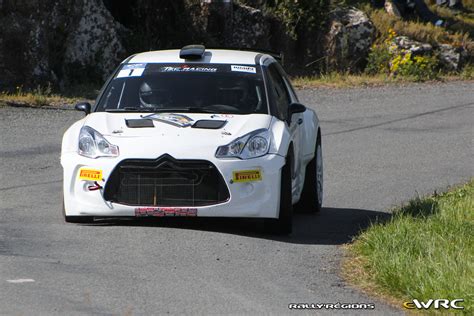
(209, 124)
(138, 123)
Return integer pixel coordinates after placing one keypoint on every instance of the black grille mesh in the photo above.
(166, 182)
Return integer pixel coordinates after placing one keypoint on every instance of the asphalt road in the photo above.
(381, 147)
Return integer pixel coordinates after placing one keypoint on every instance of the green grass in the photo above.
(425, 251)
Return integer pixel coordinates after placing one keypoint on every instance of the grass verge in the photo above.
(346, 80)
(425, 251)
(31, 99)
(43, 97)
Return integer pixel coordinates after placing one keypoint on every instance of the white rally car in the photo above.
(194, 132)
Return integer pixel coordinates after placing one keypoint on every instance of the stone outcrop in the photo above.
(59, 42)
(415, 47)
(65, 42)
(250, 28)
(94, 42)
(351, 34)
(68, 42)
(450, 58)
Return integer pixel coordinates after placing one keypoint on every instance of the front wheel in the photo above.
(284, 223)
(312, 196)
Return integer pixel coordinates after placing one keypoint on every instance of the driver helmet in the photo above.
(151, 95)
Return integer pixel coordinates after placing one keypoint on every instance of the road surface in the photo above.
(381, 147)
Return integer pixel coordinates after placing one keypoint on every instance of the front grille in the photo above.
(166, 182)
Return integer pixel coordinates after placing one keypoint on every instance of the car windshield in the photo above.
(200, 88)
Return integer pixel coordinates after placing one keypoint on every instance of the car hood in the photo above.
(170, 138)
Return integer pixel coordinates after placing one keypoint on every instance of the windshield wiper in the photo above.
(128, 109)
(168, 110)
(152, 110)
(187, 110)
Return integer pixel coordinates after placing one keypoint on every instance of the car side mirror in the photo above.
(84, 107)
(295, 108)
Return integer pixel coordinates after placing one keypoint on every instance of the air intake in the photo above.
(192, 52)
(166, 181)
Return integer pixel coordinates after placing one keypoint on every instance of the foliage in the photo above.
(423, 32)
(299, 14)
(467, 72)
(419, 67)
(458, 31)
(388, 59)
(380, 56)
(378, 60)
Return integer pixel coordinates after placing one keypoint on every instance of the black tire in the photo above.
(77, 219)
(309, 201)
(284, 223)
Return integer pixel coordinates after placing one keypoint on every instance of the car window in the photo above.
(217, 88)
(288, 84)
(279, 92)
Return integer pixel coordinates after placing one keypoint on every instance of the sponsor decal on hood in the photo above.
(179, 120)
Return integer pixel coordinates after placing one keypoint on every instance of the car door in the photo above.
(297, 122)
(282, 96)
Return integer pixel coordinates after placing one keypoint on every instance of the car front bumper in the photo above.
(247, 199)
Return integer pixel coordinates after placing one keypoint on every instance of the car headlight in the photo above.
(251, 145)
(93, 145)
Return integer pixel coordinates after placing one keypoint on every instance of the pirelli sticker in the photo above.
(90, 174)
(247, 175)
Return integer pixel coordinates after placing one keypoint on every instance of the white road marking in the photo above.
(20, 281)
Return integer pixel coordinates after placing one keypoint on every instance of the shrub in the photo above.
(468, 72)
(380, 55)
(388, 59)
(299, 14)
(418, 67)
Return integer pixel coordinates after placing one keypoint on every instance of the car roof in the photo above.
(213, 56)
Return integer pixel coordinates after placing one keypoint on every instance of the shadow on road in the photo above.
(332, 226)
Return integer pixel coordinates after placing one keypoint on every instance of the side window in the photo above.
(279, 92)
(290, 88)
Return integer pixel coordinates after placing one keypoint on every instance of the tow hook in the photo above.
(94, 187)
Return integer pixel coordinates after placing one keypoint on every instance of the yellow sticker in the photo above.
(90, 174)
(246, 175)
